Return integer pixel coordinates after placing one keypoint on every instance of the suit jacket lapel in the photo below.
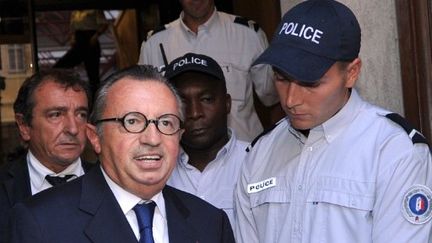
(18, 185)
(109, 224)
(88, 165)
(180, 229)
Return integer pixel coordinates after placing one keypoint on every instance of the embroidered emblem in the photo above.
(262, 185)
(416, 206)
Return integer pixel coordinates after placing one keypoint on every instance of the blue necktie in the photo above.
(144, 213)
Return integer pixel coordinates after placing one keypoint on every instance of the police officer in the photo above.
(211, 157)
(337, 169)
(234, 43)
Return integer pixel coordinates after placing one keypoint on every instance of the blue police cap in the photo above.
(311, 37)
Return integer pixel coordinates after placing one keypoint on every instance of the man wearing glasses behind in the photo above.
(137, 125)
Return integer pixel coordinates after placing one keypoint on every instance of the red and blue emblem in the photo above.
(417, 204)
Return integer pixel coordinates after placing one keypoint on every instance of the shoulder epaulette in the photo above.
(246, 22)
(156, 30)
(268, 130)
(416, 136)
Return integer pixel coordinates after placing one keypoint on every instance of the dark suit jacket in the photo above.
(15, 187)
(85, 210)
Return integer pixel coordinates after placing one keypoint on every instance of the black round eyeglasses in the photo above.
(136, 122)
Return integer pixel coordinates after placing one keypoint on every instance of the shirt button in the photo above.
(310, 149)
(299, 187)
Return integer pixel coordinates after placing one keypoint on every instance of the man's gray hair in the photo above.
(137, 72)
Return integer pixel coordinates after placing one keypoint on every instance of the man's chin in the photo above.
(62, 160)
(197, 144)
(301, 128)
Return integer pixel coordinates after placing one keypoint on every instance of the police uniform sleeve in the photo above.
(262, 75)
(146, 52)
(245, 228)
(150, 49)
(402, 209)
(141, 60)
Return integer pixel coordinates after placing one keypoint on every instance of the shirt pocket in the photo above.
(236, 77)
(346, 203)
(279, 193)
(270, 207)
(270, 196)
(349, 193)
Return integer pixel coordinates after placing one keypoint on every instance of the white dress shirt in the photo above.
(127, 202)
(38, 172)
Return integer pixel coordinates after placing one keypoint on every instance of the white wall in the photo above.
(380, 81)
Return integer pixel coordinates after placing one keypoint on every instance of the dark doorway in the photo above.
(415, 25)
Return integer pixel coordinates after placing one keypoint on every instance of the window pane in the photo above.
(16, 58)
(20, 59)
(11, 52)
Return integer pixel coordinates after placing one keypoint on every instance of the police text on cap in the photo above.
(305, 32)
(191, 60)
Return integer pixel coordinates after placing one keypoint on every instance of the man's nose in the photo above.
(294, 96)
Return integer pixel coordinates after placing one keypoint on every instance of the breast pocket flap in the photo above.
(344, 192)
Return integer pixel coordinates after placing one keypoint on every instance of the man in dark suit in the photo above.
(51, 112)
(136, 129)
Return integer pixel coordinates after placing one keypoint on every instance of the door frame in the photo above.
(414, 26)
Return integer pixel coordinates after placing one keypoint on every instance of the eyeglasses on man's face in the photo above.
(136, 122)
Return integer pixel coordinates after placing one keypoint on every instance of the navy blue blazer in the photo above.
(85, 210)
(15, 188)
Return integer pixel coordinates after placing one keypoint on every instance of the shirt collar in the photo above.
(127, 200)
(333, 127)
(38, 171)
(206, 26)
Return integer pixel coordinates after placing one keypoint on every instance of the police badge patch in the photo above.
(416, 206)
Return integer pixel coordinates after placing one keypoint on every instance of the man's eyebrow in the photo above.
(65, 108)
(82, 108)
(56, 108)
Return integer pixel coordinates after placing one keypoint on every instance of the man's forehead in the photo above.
(129, 89)
(51, 84)
(145, 96)
(53, 92)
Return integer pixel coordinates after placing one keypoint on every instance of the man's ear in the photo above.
(353, 72)
(93, 137)
(228, 103)
(23, 127)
